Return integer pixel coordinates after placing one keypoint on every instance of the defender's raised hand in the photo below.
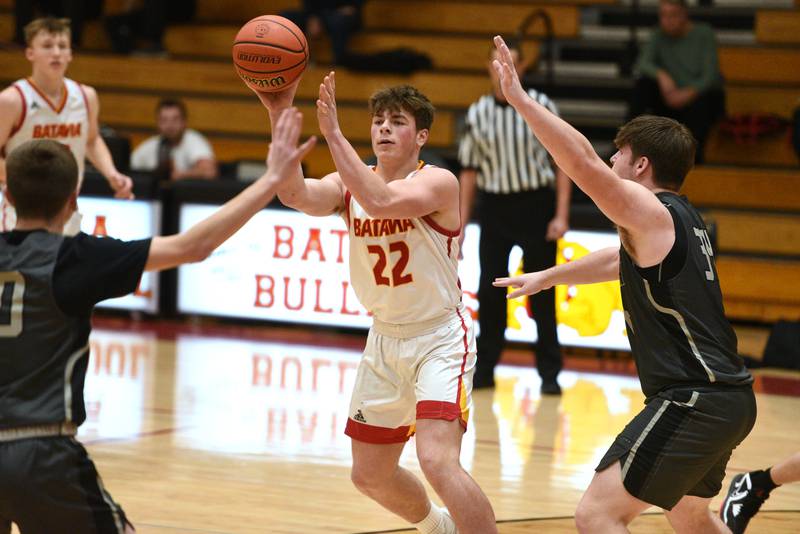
(527, 284)
(326, 106)
(284, 154)
(509, 79)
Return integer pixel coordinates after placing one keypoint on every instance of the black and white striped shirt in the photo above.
(502, 148)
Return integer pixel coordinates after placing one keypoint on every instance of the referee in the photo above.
(524, 200)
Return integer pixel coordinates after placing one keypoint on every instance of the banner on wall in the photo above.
(286, 266)
(126, 220)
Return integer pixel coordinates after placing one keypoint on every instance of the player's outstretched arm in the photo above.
(10, 112)
(599, 266)
(628, 204)
(199, 241)
(311, 196)
(429, 191)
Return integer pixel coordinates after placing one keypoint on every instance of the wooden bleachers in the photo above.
(760, 64)
(248, 117)
(744, 188)
(741, 199)
(757, 232)
(446, 52)
(760, 289)
(775, 26)
(214, 77)
(416, 15)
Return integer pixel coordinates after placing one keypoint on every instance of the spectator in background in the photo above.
(678, 73)
(524, 200)
(339, 18)
(177, 152)
(75, 10)
(141, 30)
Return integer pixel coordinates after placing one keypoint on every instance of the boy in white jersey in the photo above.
(416, 372)
(48, 105)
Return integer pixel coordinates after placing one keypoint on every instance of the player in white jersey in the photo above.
(416, 372)
(47, 105)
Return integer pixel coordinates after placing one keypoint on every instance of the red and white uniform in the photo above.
(420, 353)
(65, 121)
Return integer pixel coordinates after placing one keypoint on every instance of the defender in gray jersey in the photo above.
(49, 285)
(700, 403)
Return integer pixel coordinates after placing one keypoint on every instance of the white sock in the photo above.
(432, 523)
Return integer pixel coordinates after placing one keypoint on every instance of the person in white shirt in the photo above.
(177, 152)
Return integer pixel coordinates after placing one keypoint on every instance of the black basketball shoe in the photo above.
(742, 503)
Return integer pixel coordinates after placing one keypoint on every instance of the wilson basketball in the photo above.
(269, 53)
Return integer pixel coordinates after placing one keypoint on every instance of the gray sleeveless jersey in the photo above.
(677, 327)
(43, 351)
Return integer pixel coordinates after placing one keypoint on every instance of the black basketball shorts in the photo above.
(680, 443)
(50, 486)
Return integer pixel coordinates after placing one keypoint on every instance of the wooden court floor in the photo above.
(228, 430)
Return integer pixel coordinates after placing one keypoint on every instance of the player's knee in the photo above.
(436, 463)
(589, 516)
(583, 518)
(700, 520)
(367, 480)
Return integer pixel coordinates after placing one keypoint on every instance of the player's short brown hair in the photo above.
(48, 25)
(668, 144)
(40, 175)
(404, 98)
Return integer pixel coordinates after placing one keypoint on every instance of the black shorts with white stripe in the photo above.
(680, 443)
(51, 486)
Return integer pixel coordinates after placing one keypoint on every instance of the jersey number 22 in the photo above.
(398, 277)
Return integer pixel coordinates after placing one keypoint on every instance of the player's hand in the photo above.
(326, 106)
(122, 185)
(526, 284)
(557, 227)
(284, 155)
(277, 101)
(509, 78)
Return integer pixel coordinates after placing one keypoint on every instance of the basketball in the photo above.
(269, 53)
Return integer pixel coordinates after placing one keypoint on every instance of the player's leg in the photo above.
(377, 475)
(438, 450)
(677, 445)
(607, 506)
(748, 491)
(692, 515)
(787, 471)
(444, 398)
(381, 421)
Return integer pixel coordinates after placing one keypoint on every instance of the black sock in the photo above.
(762, 480)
